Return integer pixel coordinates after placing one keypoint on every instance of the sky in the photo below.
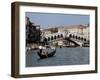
(47, 20)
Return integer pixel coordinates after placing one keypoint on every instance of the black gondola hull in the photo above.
(46, 56)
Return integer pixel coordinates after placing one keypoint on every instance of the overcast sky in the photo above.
(46, 20)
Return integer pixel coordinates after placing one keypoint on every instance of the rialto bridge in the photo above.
(65, 39)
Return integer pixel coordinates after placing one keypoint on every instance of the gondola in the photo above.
(46, 54)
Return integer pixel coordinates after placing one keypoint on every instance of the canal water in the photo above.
(63, 56)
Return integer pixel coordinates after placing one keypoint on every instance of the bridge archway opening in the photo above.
(76, 37)
(45, 40)
(51, 37)
(84, 39)
(79, 38)
(73, 36)
(55, 37)
(70, 35)
(48, 38)
(61, 35)
(58, 36)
